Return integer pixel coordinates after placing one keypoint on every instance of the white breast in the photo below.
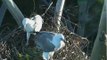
(38, 22)
(28, 24)
(62, 44)
(33, 24)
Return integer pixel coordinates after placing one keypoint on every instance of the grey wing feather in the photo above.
(43, 41)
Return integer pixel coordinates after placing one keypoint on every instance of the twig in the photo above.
(47, 9)
(9, 35)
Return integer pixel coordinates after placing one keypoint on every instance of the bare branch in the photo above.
(58, 13)
(14, 10)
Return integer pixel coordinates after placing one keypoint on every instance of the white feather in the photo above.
(39, 21)
(28, 24)
(58, 43)
(62, 44)
(31, 25)
(47, 55)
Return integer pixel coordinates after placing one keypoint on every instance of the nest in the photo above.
(74, 47)
(12, 46)
(12, 41)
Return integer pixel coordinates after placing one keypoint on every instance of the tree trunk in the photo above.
(106, 40)
(83, 16)
(99, 49)
(106, 27)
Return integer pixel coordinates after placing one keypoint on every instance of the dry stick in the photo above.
(2, 12)
(58, 13)
(9, 35)
(47, 9)
(14, 10)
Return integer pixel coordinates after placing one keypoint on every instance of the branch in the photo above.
(58, 13)
(106, 28)
(106, 41)
(14, 10)
(99, 49)
(2, 12)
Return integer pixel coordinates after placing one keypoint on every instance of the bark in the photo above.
(99, 49)
(58, 14)
(84, 17)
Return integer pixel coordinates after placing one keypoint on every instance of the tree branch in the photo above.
(14, 10)
(99, 49)
(2, 12)
(58, 13)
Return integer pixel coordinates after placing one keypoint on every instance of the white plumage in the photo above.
(49, 42)
(31, 25)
